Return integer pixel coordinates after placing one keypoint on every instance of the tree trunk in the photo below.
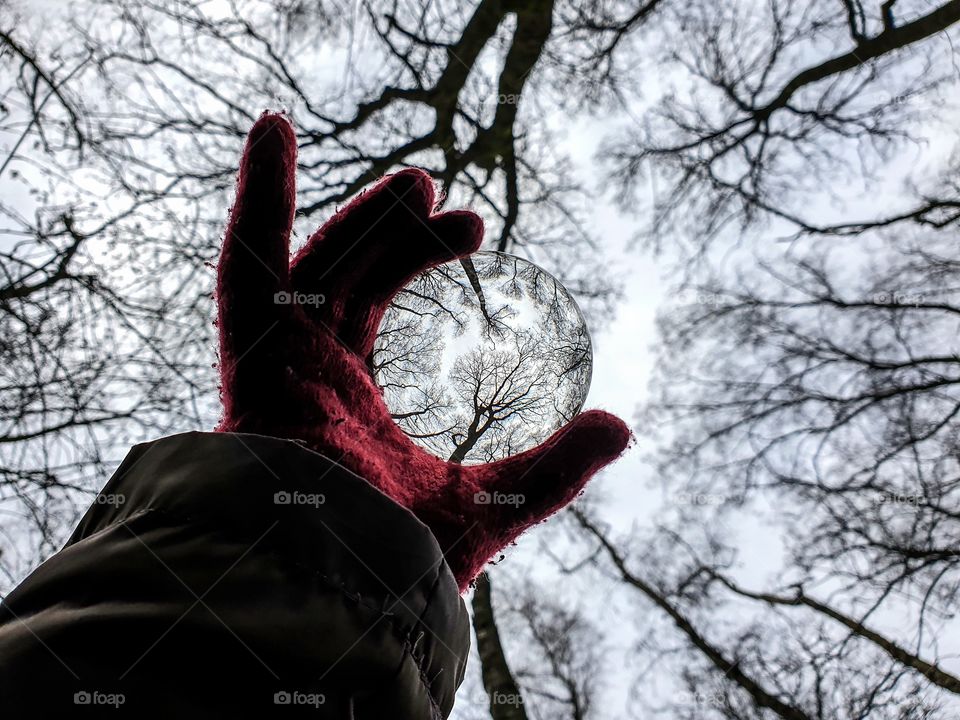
(506, 702)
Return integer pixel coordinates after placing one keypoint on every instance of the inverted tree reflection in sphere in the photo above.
(483, 358)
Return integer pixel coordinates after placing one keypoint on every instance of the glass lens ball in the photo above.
(483, 358)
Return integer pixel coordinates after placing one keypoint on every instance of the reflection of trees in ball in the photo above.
(483, 359)
(492, 388)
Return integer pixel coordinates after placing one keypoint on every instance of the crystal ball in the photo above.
(482, 358)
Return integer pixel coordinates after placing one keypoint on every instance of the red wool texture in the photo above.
(301, 369)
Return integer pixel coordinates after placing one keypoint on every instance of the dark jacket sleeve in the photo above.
(225, 575)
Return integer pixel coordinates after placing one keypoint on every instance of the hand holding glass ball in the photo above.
(306, 371)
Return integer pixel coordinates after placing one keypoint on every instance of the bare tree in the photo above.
(815, 387)
(766, 664)
(96, 347)
(506, 700)
(846, 406)
(564, 676)
(557, 657)
(804, 389)
(787, 102)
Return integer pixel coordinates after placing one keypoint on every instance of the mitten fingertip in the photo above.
(601, 434)
(271, 138)
(412, 187)
(455, 234)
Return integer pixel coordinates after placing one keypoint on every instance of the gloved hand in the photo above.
(294, 367)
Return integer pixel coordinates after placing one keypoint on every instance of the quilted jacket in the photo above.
(222, 575)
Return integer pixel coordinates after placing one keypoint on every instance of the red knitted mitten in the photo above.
(301, 369)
